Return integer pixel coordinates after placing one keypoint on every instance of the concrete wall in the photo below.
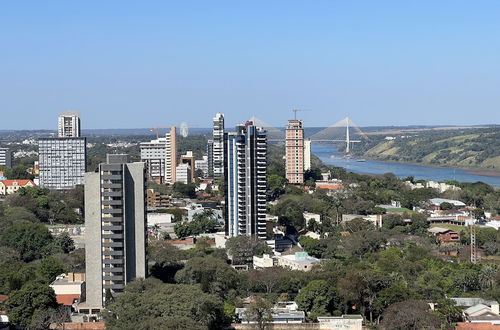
(93, 257)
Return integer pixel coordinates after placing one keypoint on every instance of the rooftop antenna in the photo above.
(295, 112)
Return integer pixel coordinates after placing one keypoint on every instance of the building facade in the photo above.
(115, 222)
(188, 159)
(183, 173)
(68, 124)
(218, 145)
(210, 158)
(294, 152)
(245, 177)
(62, 162)
(5, 157)
(160, 157)
(202, 165)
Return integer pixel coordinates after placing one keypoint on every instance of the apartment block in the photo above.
(5, 157)
(160, 157)
(62, 162)
(245, 174)
(68, 124)
(294, 152)
(115, 222)
(218, 145)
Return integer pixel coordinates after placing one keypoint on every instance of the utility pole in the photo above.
(295, 112)
(473, 247)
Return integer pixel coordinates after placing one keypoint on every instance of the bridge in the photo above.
(339, 132)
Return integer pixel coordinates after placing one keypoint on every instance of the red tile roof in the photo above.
(66, 299)
(78, 326)
(21, 183)
(3, 298)
(476, 326)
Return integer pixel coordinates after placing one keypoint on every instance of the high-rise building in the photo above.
(183, 173)
(189, 159)
(171, 153)
(62, 162)
(202, 165)
(69, 124)
(245, 178)
(218, 145)
(307, 155)
(210, 158)
(294, 152)
(115, 222)
(160, 157)
(5, 157)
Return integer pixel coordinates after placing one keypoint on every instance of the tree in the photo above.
(359, 224)
(49, 269)
(146, 300)
(185, 190)
(64, 242)
(317, 298)
(31, 240)
(214, 275)
(411, 314)
(267, 277)
(241, 249)
(260, 312)
(31, 298)
(446, 206)
(276, 185)
(390, 221)
(168, 260)
(478, 214)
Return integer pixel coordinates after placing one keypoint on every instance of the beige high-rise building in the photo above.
(294, 152)
(160, 156)
(68, 124)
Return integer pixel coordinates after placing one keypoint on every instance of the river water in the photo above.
(329, 155)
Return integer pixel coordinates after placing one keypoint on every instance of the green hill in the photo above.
(474, 148)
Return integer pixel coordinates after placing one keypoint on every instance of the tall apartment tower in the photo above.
(171, 153)
(218, 145)
(115, 222)
(245, 174)
(62, 162)
(69, 124)
(210, 158)
(160, 156)
(294, 152)
(5, 157)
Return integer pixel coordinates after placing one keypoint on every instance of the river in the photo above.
(325, 153)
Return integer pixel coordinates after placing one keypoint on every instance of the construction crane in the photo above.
(295, 112)
(157, 129)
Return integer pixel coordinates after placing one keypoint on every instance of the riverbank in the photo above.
(469, 170)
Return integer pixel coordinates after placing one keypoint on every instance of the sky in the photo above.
(134, 64)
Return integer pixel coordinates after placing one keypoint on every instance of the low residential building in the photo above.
(266, 261)
(69, 288)
(282, 313)
(445, 236)
(350, 322)
(8, 187)
(155, 199)
(298, 261)
(375, 219)
(482, 313)
(308, 217)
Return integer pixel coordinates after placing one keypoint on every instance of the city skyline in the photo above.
(377, 62)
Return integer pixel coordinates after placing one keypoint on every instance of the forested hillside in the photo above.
(466, 148)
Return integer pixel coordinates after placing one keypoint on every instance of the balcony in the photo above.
(111, 185)
(113, 278)
(115, 236)
(113, 253)
(112, 262)
(112, 244)
(113, 269)
(112, 227)
(114, 286)
(112, 202)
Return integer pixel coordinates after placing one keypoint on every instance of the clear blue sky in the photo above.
(127, 64)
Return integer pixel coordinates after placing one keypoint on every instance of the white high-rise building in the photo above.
(62, 162)
(160, 156)
(218, 145)
(307, 155)
(183, 173)
(68, 124)
(245, 174)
